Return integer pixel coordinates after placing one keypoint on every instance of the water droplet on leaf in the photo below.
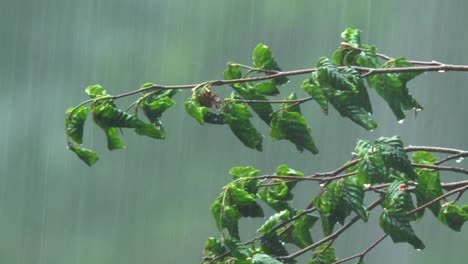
(441, 71)
(401, 121)
(459, 160)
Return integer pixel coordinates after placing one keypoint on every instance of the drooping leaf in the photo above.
(324, 254)
(195, 110)
(392, 88)
(337, 202)
(454, 216)
(313, 89)
(238, 118)
(286, 171)
(106, 115)
(74, 124)
(429, 186)
(394, 155)
(346, 92)
(400, 230)
(300, 232)
(263, 59)
(352, 195)
(87, 156)
(395, 219)
(264, 259)
(151, 130)
(273, 221)
(113, 140)
(293, 127)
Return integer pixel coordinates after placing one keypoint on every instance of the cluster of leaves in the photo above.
(337, 81)
(384, 161)
(110, 119)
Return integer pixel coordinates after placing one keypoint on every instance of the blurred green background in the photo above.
(150, 202)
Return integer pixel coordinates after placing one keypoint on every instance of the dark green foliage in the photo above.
(428, 187)
(392, 87)
(345, 90)
(249, 92)
(337, 202)
(293, 127)
(264, 259)
(74, 123)
(237, 116)
(383, 161)
(299, 233)
(395, 219)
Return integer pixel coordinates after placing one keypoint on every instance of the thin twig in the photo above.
(363, 253)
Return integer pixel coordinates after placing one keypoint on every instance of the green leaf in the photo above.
(429, 186)
(324, 254)
(293, 127)
(243, 172)
(264, 259)
(352, 36)
(395, 219)
(95, 91)
(239, 196)
(106, 115)
(263, 59)
(237, 248)
(213, 247)
(394, 155)
(362, 147)
(237, 116)
(286, 171)
(399, 230)
(151, 130)
(113, 140)
(371, 170)
(352, 195)
(155, 107)
(337, 202)
(226, 217)
(266, 88)
(392, 88)
(346, 92)
(87, 156)
(313, 89)
(300, 234)
(272, 246)
(272, 221)
(276, 196)
(196, 111)
(74, 124)
(454, 216)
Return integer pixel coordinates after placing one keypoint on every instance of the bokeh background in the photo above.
(150, 202)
